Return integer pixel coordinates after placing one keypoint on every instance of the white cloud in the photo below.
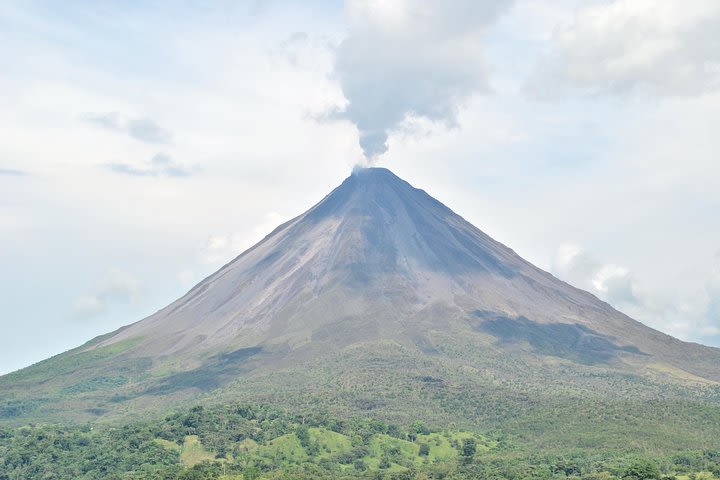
(691, 317)
(160, 165)
(222, 248)
(574, 264)
(411, 58)
(115, 286)
(656, 47)
(140, 128)
(88, 305)
(612, 283)
(120, 284)
(615, 283)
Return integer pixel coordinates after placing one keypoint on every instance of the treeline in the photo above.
(235, 442)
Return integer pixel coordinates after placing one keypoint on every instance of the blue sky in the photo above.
(144, 144)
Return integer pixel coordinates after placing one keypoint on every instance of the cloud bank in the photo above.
(612, 282)
(690, 318)
(658, 47)
(411, 58)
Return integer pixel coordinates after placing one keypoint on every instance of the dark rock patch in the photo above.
(571, 341)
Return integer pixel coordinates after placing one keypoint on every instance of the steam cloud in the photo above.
(411, 58)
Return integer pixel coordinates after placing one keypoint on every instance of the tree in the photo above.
(642, 469)
(424, 450)
(469, 447)
(420, 428)
(394, 431)
(251, 473)
(303, 435)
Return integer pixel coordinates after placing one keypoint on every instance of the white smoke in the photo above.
(411, 58)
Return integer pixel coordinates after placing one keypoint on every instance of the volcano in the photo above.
(380, 301)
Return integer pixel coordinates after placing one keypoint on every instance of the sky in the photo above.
(145, 144)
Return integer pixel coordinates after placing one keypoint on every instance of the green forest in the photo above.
(239, 441)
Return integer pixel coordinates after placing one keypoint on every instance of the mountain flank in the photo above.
(380, 301)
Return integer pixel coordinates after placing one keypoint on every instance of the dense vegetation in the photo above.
(517, 417)
(544, 404)
(235, 442)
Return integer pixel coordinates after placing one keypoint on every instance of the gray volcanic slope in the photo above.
(377, 273)
(384, 247)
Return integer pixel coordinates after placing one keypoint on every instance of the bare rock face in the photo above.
(377, 273)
